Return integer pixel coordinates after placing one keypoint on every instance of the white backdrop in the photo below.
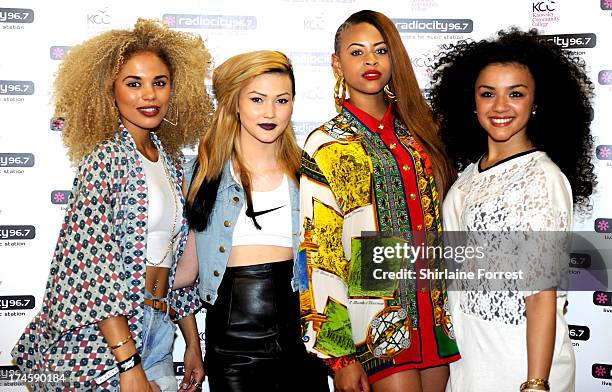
(35, 176)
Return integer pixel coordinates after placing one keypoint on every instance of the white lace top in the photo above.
(526, 192)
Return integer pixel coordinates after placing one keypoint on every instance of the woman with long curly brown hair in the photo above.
(378, 166)
(131, 99)
(515, 113)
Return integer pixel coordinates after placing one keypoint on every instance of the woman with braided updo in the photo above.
(131, 99)
(378, 166)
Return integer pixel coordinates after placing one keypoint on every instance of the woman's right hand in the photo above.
(134, 380)
(351, 378)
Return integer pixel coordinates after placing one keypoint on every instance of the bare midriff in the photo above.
(156, 281)
(258, 254)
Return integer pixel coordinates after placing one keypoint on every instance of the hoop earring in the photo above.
(390, 94)
(175, 122)
(340, 92)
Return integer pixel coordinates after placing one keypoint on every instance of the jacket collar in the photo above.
(227, 180)
(125, 136)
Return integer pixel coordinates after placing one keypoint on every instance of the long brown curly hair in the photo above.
(83, 88)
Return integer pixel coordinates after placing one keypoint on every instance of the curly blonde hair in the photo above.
(83, 88)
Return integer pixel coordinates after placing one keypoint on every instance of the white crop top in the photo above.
(272, 211)
(160, 213)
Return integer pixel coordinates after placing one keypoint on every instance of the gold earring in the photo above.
(390, 94)
(173, 123)
(340, 92)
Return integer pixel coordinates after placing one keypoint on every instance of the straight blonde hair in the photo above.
(220, 142)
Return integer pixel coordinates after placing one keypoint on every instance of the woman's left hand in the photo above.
(194, 369)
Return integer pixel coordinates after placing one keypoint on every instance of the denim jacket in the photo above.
(215, 242)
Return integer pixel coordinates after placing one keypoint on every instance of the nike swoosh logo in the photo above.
(253, 214)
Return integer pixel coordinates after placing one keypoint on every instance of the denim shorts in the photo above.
(157, 341)
(156, 351)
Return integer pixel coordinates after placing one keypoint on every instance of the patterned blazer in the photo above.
(98, 268)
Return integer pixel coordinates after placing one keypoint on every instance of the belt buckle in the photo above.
(155, 302)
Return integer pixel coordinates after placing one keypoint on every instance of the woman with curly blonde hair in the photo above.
(131, 99)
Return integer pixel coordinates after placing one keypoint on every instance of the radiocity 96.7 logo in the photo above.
(457, 26)
(313, 59)
(16, 159)
(214, 22)
(17, 302)
(16, 87)
(573, 41)
(579, 332)
(605, 77)
(58, 52)
(580, 260)
(602, 298)
(602, 370)
(60, 196)
(603, 225)
(17, 232)
(16, 15)
(604, 152)
(57, 124)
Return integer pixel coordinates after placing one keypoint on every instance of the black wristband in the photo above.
(129, 363)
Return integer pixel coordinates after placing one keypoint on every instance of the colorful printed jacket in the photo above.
(360, 176)
(98, 268)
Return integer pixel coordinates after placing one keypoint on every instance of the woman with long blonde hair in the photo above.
(243, 210)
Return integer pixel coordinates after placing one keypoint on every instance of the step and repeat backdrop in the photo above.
(35, 175)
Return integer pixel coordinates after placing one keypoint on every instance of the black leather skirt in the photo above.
(253, 339)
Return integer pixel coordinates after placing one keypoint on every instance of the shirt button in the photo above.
(380, 126)
(406, 167)
(222, 249)
(412, 196)
(227, 223)
(236, 199)
(208, 297)
(216, 273)
(392, 146)
(419, 227)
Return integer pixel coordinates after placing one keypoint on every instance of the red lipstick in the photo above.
(371, 74)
